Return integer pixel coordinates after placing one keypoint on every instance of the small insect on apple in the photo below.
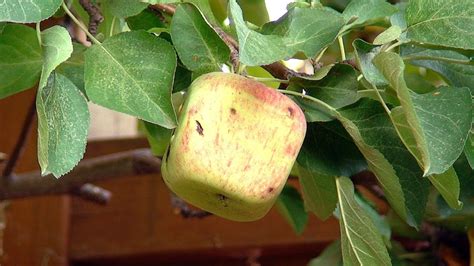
(234, 146)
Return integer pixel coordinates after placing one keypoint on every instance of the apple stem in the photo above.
(260, 79)
(320, 105)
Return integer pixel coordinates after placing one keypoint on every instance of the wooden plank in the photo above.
(37, 228)
(139, 223)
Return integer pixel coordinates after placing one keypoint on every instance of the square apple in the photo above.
(234, 146)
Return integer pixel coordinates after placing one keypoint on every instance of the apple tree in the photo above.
(384, 144)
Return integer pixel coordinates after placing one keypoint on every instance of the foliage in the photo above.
(397, 103)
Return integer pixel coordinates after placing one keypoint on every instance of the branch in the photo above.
(93, 193)
(136, 162)
(77, 182)
(21, 141)
(95, 17)
(277, 69)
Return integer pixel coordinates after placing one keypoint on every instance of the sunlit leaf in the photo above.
(57, 48)
(441, 22)
(63, 122)
(134, 81)
(198, 45)
(30, 11)
(433, 126)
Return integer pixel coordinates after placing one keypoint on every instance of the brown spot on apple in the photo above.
(233, 111)
(229, 162)
(270, 189)
(192, 111)
(199, 128)
(223, 199)
(168, 153)
(216, 140)
(185, 141)
(291, 111)
(289, 150)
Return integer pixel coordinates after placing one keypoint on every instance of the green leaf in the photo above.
(125, 8)
(256, 48)
(361, 242)
(63, 122)
(367, 11)
(379, 221)
(456, 68)
(469, 148)
(21, 59)
(433, 126)
(327, 152)
(459, 220)
(154, 2)
(338, 89)
(182, 78)
(145, 20)
(396, 170)
(254, 11)
(441, 22)
(319, 190)
(447, 184)
(256, 71)
(30, 11)
(198, 45)
(331, 256)
(308, 30)
(389, 35)
(57, 48)
(132, 72)
(364, 54)
(158, 137)
(290, 205)
(301, 29)
(219, 9)
(73, 68)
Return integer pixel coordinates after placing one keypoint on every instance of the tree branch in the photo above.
(136, 162)
(95, 17)
(277, 69)
(93, 193)
(21, 141)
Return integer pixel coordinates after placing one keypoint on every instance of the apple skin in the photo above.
(234, 146)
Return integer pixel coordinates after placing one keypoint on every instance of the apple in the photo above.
(234, 146)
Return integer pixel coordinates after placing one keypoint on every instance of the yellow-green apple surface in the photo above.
(234, 146)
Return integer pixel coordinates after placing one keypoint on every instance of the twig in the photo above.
(130, 163)
(93, 193)
(351, 62)
(95, 17)
(168, 9)
(233, 47)
(182, 208)
(277, 69)
(21, 141)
